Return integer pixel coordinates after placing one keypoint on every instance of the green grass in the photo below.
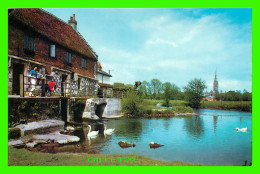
(149, 108)
(177, 105)
(228, 105)
(180, 105)
(151, 104)
(23, 157)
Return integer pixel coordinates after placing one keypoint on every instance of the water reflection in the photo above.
(166, 124)
(215, 121)
(214, 130)
(130, 129)
(194, 126)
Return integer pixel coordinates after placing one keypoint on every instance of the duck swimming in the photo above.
(125, 144)
(155, 145)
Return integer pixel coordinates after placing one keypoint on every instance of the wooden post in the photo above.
(43, 87)
(21, 85)
(64, 109)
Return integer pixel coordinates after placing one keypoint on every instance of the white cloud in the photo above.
(161, 41)
(178, 49)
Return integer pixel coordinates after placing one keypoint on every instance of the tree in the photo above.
(170, 92)
(118, 85)
(167, 92)
(174, 91)
(246, 96)
(143, 88)
(194, 92)
(132, 103)
(156, 86)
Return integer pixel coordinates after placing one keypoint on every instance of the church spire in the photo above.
(215, 84)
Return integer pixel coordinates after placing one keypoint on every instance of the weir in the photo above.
(97, 108)
(68, 109)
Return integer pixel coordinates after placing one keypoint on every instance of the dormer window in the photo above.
(52, 51)
(68, 58)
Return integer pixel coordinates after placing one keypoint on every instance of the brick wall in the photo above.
(41, 51)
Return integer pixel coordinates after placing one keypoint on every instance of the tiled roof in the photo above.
(105, 85)
(104, 73)
(54, 29)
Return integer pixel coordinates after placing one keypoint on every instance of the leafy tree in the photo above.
(143, 88)
(167, 92)
(122, 86)
(156, 86)
(180, 96)
(175, 90)
(118, 85)
(246, 96)
(234, 96)
(132, 103)
(194, 92)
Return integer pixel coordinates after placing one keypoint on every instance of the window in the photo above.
(52, 51)
(28, 42)
(68, 59)
(84, 63)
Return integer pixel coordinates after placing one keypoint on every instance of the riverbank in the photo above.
(155, 109)
(181, 105)
(23, 157)
(245, 106)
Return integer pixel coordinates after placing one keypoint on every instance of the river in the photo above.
(209, 138)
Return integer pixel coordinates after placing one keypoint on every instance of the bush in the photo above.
(132, 103)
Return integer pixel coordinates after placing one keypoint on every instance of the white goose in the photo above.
(241, 130)
(92, 133)
(108, 131)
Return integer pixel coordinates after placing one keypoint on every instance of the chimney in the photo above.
(99, 67)
(72, 22)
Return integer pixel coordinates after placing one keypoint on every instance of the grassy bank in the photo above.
(181, 105)
(23, 157)
(149, 109)
(228, 105)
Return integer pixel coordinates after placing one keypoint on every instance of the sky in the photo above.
(172, 45)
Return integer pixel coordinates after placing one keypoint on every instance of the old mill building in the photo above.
(65, 60)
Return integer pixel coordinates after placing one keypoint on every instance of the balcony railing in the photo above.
(31, 86)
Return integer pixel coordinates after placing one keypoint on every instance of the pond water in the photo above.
(209, 138)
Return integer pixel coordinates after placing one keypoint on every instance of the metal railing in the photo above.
(31, 86)
(113, 94)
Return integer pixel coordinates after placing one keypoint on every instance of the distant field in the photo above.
(225, 105)
(178, 106)
(228, 105)
(172, 102)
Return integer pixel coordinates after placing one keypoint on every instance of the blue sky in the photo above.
(173, 45)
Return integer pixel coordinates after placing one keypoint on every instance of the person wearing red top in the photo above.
(51, 85)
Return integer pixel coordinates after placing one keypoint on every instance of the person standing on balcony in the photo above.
(33, 80)
(39, 77)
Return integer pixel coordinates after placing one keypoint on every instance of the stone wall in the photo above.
(24, 110)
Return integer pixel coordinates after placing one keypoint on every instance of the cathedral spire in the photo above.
(215, 84)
